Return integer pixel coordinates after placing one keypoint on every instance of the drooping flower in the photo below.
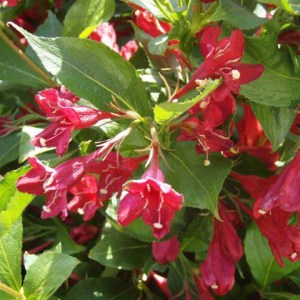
(222, 59)
(58, 106)
(84, 233)
(152, 199)
(166, 251)
(284, 192)
(217, 271)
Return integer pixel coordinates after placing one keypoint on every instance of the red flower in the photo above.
(58, 106)
(151, 198)
(84, 233)
(222, 60)
(284, 192)
(225, 250)
(166, 251)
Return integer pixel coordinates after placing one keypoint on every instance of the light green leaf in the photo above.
(276, 122)
(291, 6)
(92, 71)
(84, 16)
(10, 257)
(239, 16)
(51, 27)
(159, 45)
(26, 148)
(278, 85)
(259, 257)
(167, 111)
(148, 5)
(199, 185)
(102, 288)
(117, 250)
(47, 274)
(12, 202)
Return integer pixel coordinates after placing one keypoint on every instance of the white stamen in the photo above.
(206, 163)
(157, 225)
(262, 212)
(201, 83)
(148, 187)
(175, 100)
(235, 74)
(214, 286)
(46, 209)
(144, 277)
(63, 89)
(43, 142)
(203, 104)
(294, 255)
(103, 191)
(4, 3)
(80, 211)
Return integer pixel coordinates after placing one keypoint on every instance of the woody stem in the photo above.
(11, 291)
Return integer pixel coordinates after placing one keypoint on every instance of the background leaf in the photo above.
(259, 257)
(9, 148)
(291, 6)
(102, 288)
(92, 71)
(200, 185)
(117, 250)
(47, 274)
(238, 15)
(275, 121)
(84, 16)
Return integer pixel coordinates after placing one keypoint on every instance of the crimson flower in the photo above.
(284, 192)
(58, 106)
(166, 251)
(151, 198)
(225, 250)
(222, 59)
(84, 233)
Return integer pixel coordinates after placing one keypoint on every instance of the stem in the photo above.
(11, 35)
(164, 12)
(27, 60)
(11, 291)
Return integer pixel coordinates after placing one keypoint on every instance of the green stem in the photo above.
(11, 291)
(11, 35)
(164, 12)
(27, 60)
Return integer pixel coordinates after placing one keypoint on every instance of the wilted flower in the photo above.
(84, 233)
(166, 251)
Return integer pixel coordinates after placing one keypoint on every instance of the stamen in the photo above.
(206, 163)
(262, 212)
(294, 255)
(43, 142)
(201, 83)
(235, 74)
(103, 191)
(157, 225)
(80, 211)
(46, 209)
(214, 286)
(203, 104)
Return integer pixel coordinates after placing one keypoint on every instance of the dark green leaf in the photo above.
(259, 257)
(239, 16)
(167, 111)
(12, 202)
(200, 185)
(13, 68)
(84, 16)
(117, 250)
(47, 274)
(9, 148)
(10, 257)
(279, 85)
(50, 28)
(276, 122)
(102, 288)
(92, 71)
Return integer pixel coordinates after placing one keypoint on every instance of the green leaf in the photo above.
(259, 257)
(47, 274)
(84, 16)
(102, 288)
(117, 250)
(26, 148)
(167, 111)
(148, 5)
(51, 27)
(14, 69)
(92, 71)
(158, 46)
(200, 185)
(10, 257)
(239, 16)
(9, 148)
(275, 121)
(279, 85)
(12, 202)
(291, 6)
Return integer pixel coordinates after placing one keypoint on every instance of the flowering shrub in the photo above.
(149, 149)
